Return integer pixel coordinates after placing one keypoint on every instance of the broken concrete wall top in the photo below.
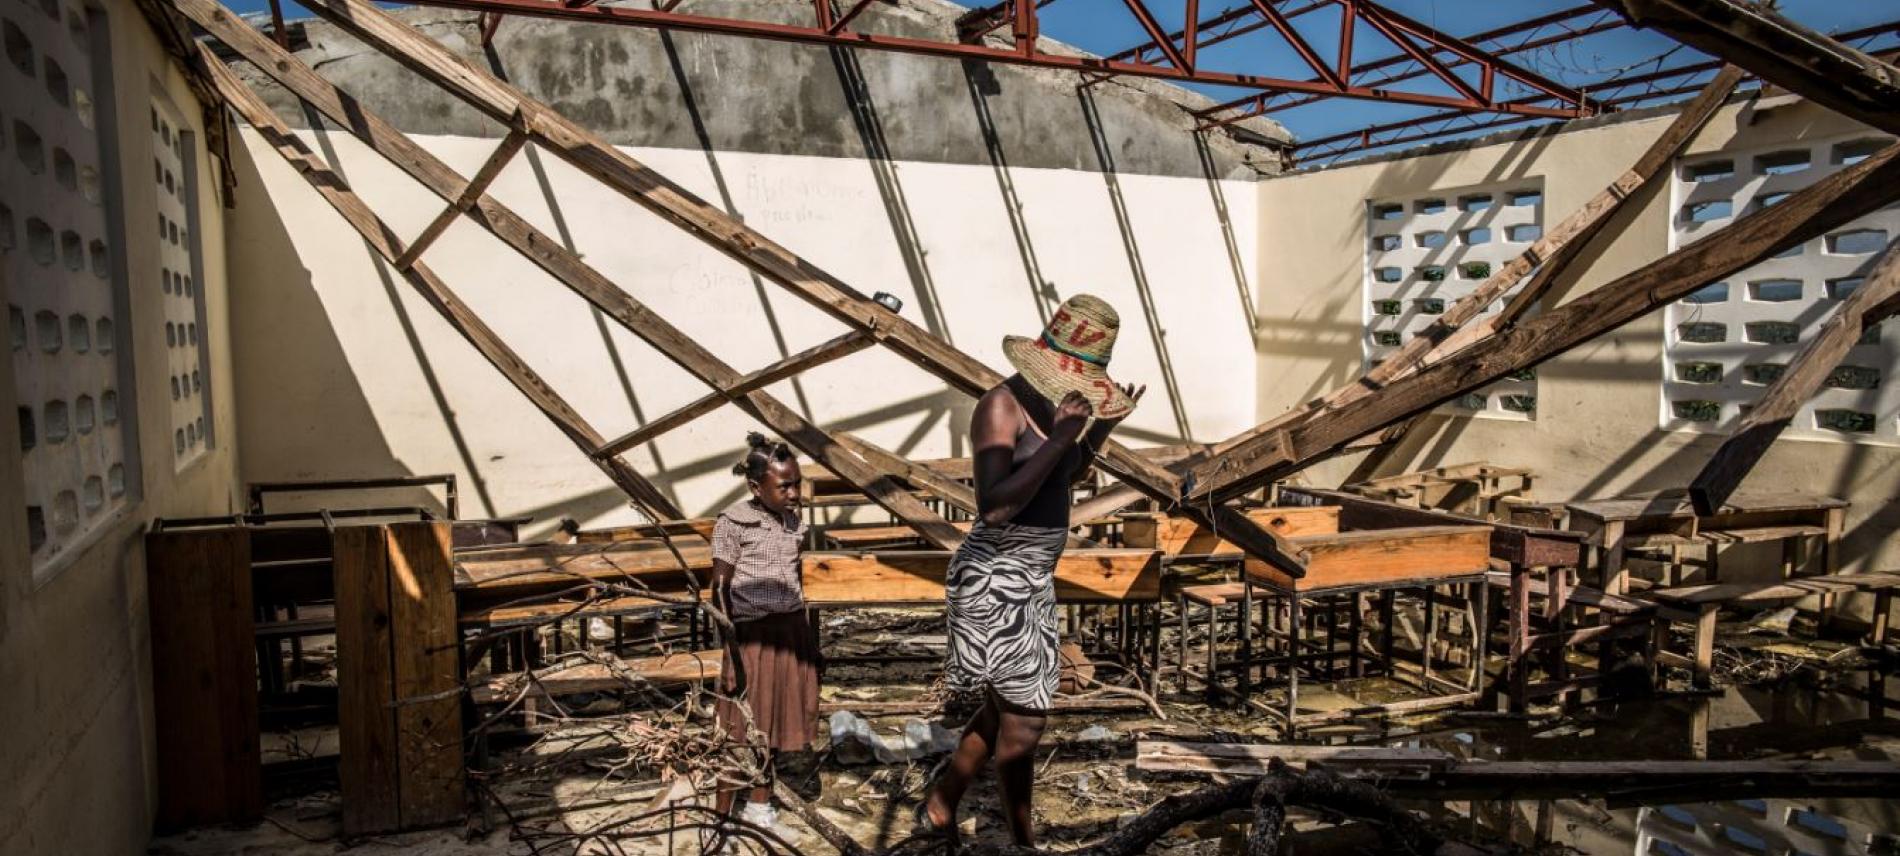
(644, 87)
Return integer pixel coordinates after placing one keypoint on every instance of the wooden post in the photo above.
(399, 706)
(204, 677)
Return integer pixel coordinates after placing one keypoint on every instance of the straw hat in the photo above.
(1072, 354)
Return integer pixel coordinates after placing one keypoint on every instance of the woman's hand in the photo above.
(1072, 412)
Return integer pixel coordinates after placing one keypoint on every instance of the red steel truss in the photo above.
(1007, 32)
(1617, 93)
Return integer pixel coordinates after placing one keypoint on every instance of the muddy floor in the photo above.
(1782, 694)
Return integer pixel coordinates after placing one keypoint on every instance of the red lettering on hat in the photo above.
(1071, 365)
(1107, 389)
(1081, 337)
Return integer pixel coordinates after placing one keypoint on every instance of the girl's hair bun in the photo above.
(760, 452)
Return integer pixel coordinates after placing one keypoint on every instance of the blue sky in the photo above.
(1104, 27)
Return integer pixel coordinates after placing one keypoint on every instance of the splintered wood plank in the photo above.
(917, 577)
(532, 566)
(367, 767)
(204, 677)
(701, 526)
(423, 644)
(664, 670)
(1385, 556)
(1169, 756)
(536, 613)
(866, 537)
(1179, 536)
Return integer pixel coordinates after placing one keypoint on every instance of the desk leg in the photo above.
(1292, 664)
(1883, 603)
(1520, 621)
(1705, 646)
(1355, 666)
(1480, 635)
(1699, 729)
(1180, 662)
(1431, 634)
(1831, 555)
(1246, 637)
(1616, 573)
(1155, 623)
(1213, 650)
(1387, 609)
(1332, 641)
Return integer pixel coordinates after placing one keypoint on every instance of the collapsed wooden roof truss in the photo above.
(1463, 353)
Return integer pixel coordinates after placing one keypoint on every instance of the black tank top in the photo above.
(1050, 506)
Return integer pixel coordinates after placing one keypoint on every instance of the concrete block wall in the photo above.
(73, 622)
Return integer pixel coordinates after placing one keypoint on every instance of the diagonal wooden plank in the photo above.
(633, 179)
(948, 489)
(1827, 204)
(553, 257)
(476, 188)
(385, 243)
(1806, 371)
(824, 352)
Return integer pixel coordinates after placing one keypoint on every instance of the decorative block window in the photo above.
(1729, 340)
(62, 294)
(1426, 252)
(181, 268)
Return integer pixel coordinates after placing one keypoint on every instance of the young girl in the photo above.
(770, 679)
(1031, 446)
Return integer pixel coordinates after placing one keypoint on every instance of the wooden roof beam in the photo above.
(559, 262)
(675, 204)
(1809, 213)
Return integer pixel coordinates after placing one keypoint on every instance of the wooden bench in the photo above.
(1702, 603)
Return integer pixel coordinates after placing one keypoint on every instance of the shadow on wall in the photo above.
(1104, 154)
(300, 398)
(303, 404)
(532, 155)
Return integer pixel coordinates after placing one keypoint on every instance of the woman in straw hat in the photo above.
(1031, 447)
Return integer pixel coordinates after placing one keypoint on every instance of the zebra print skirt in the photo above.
(1002, 594)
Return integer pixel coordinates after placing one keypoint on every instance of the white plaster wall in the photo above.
(1596, 432)
(341, 365)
